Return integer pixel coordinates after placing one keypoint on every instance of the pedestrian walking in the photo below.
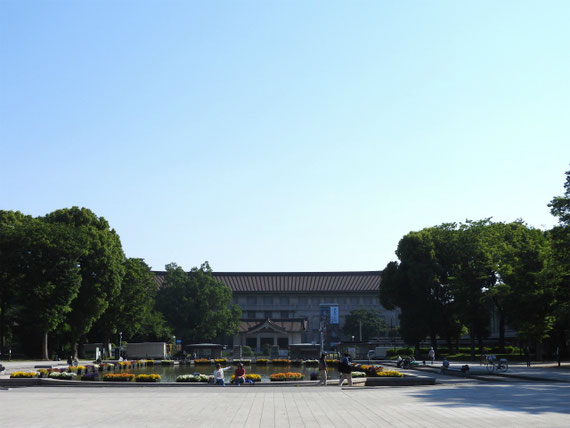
(431, 355)
(323, 374)
(345, 370)
(558, 355)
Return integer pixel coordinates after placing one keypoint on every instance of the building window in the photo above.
(283, 342)
(284, 314)
(252, 300)
(267, 314)
(303, 300)
(251, 314)
(268, 300)
(284, 300)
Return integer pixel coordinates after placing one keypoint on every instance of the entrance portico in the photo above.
(257, 333)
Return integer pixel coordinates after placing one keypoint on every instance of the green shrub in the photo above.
(247, 351)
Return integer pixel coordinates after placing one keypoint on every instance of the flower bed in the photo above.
(244, 362)
(358, 374)
(193, 378)
(106, 366)
(262, 361)
(221, 361)
(333, 363)
(202, 361)
(25, 375)
(296, 362)
(311, 363)
(286, 376)
(249, 376)
(371, 370)
(281, 362)
(43, 373)
(62, 375)
(119, 377)
(167, 362)
(147, 378)
(389, 373)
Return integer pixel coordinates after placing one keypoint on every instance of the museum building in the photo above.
(287, 308)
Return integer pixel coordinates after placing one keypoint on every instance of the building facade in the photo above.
(284, 308)
(296, 302)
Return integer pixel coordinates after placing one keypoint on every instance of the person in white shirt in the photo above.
(431, 355)
(219, 374)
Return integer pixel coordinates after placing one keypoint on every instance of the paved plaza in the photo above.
(470, 404)
(454, 402)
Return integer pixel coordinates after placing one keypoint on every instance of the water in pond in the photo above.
(170, 373)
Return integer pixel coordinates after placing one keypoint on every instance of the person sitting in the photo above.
(2, 369)
(399, 361)
(239, 375)
(219, 374)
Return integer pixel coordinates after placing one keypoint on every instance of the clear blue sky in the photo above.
(283, 135)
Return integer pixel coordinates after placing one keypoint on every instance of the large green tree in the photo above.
(558, 263)
(364, 324)
(418, 284)
(196, 305)
(471, 274)
(101, 267)
(129, 311)
(48, 260)
(10, 275)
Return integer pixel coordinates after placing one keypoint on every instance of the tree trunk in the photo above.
(434, 341)
(105, 349)
(45, 353)
(472, 339)
(2, 326)
(502, 331)
(75, 349)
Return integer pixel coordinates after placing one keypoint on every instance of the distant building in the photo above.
(284, 308)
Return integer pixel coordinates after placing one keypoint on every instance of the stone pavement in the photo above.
(480, 404)
(455, 402)
(537, 372)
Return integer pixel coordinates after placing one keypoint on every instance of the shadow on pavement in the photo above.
(528, 398)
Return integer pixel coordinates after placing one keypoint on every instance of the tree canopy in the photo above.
(367, 322)
(196, 305)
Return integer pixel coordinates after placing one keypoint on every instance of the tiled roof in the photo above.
(296, 282)
(288, 325)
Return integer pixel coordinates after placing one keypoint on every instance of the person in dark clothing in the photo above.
(345, 370)
(323, 369)
(527, 355)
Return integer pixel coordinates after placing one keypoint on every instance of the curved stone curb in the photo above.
(408, 380)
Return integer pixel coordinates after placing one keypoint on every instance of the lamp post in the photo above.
(173, 347)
